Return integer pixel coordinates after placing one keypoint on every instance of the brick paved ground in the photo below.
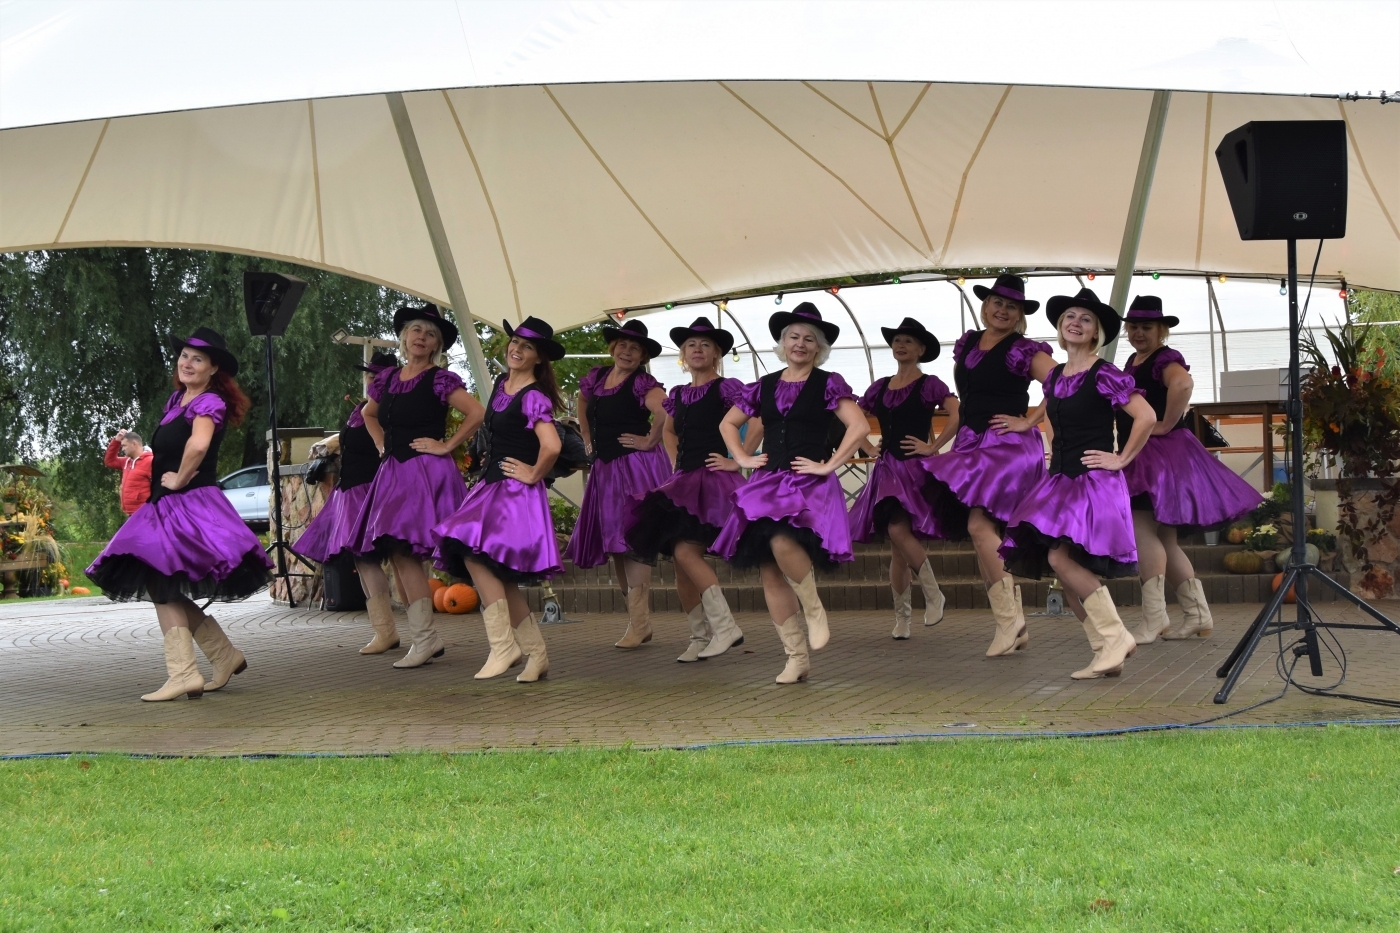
(71, 673)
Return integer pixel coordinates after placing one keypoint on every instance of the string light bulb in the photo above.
(1223, 278)
(736, 356)
(1283, 286)
(669, 306)
(961, 281)
(619, 314)
(723, 305)
(1156, 276)
(1343, 294)
(1090, 276)
(895, 280)
(834, 289)
(778, 299)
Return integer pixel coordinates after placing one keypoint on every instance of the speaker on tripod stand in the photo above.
(1287, 180)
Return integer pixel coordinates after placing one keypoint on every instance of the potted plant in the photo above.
(1264, 541)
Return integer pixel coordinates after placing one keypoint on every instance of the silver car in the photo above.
(248, 491)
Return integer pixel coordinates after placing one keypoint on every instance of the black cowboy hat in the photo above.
(805, 313)
(1147, 309)
(701, 327)
(1008, 286)
(538, 333)
(378, 363)
(1108, 318)
(426, 313)
(635, 331)
(912, 328)
(209, 341)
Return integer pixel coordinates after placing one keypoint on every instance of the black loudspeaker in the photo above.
(342, 584)
(1287, 179)
(269, 298)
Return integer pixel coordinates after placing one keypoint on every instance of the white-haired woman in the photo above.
(790, 517)
(1177, 487)
(418, 483)
(682, 517)
(621, 410)
(1077, 522)
(998, 455)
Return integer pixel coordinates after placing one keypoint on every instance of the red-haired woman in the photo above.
(502, 536)
(187, 542)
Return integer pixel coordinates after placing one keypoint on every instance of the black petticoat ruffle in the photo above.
(949, 513)
(660, 523)
(453, 555)
(124, 578)
(756, 548)
(1031, 557)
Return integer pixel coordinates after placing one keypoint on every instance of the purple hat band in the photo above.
(1145, 314)
(1005, 292)
(196, 342)
(699, 327)
(808, 315)
(527, 332)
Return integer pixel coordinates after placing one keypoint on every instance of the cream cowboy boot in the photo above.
(638, 617)
(818, 632)
(184, 675)
(531, 641)
(1155, 620)
(1196, 618)
(795, 644)
(381, 616)
(1011, 633)
(1118, 641)
(505, 652)
(223, 656)
(700, 635)
(903, 612)
(934, 600)
(426, 643)
(726, 631)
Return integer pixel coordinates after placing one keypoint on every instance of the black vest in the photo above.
(611, 416)
(1156, 392)
(989, 388)
(508, 435)
(359, 458)
(909, 417)
(697, 428)
(805, 431)
(414, 414)
(1082, 422)
(168, 450)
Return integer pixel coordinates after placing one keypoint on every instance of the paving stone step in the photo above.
(961, 591)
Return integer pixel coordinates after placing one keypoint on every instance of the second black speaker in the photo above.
(1286, 179)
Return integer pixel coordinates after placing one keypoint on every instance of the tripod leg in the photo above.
(1234, 665)
(1355, 600)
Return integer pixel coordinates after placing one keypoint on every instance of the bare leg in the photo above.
(781, 600)
(908, 555)
(901, 577)
(1152, 555)
(172, 615)
(412, 578)
(619, 564)
(373, 580)
(636, 582)
(985, 541)
(791, 558)
(1078, 582)
(693, 575)
(490, 589)
(519, 607)
(1178, 568)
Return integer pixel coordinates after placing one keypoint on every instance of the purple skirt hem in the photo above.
(988, 471)
(1185, 486)
(607, 497)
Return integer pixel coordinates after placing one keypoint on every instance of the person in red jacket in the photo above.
(126, 452)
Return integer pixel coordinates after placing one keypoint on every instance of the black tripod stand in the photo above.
(1299, 572)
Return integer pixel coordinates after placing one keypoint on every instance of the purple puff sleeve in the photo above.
(748, 401)
(932, 394)
(836, 389)
(357, 416)
(208, 405)
(643, 384)
(445, 382)
(670, 403)
(380, 384)
(1022, 353)
(960, 343)
(1115, 385)
(589, 383)
(867, 401)
(536, 407)
(1164, 359)
(730, 391)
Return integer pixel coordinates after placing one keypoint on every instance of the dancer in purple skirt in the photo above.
(893, 503)
(187, 543)
(621, 410)
(683, 516)
(502, 536)
(998, 455)
(1177, 487)
(418, 484)
(335, 528)
(790, 517)
(1077, 521)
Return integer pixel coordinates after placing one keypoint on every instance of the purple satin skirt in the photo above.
(989, 471)
(895, 487)
(188, 543)
(810, 509)
(1185, 486)
(505, 525)
(335, 528)
(1089, 513)
(607, 500)
(692, 505)
(404, 502)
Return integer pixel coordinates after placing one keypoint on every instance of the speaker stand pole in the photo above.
(1270, 620)
(278, 548)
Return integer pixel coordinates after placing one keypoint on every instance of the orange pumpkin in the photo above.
(81, 591)
(459, 598)
(435, 584)
(438, 595)
(1290, 596)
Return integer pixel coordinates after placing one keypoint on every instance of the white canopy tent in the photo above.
(588, 158)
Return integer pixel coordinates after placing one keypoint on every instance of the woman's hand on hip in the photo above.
(635, 441)
(719, 463)
(428, 445)
(171, 481)
(750, 462)
(813, 467)
(1010, 424)
(1103, 460)
(912, 445)
(519, 471)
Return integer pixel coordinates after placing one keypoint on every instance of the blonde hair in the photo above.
(823, 347)
(719, 354)
(1098, 333)
(1020, 325)
(439, 357)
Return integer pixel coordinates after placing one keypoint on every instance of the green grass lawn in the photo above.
(1279, 830)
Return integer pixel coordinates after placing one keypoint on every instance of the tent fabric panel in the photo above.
(41, 170)
(1171, 225)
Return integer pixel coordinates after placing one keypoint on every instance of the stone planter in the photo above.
(1384, 553)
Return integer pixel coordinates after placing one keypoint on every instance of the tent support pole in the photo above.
(442, 249)
(865, 344)
(1137, 209)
